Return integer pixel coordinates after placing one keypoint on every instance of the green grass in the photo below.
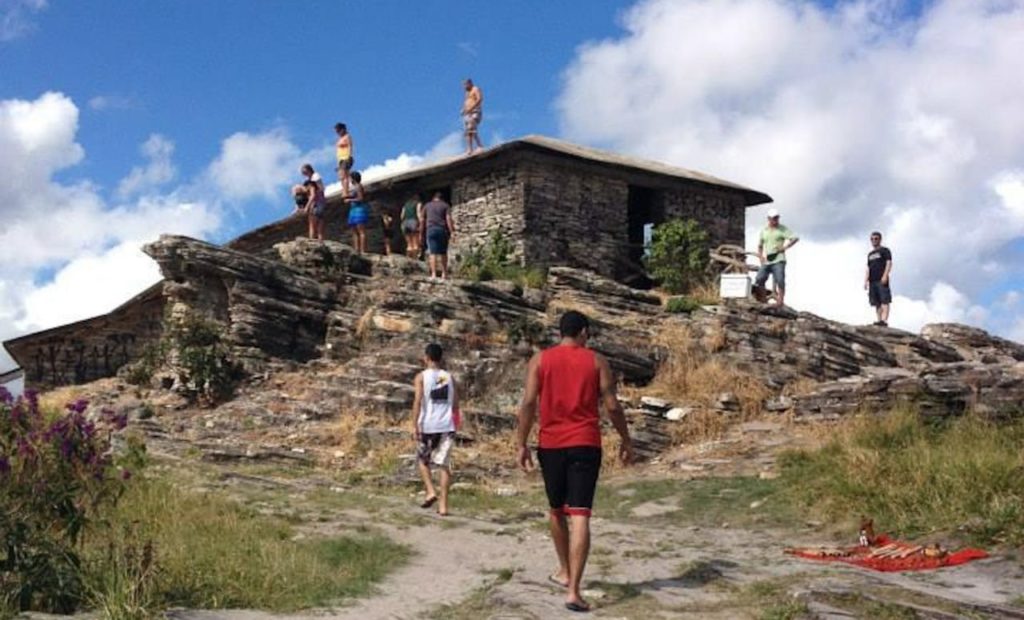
(209, 552)
(913, 478)
(704, 501)
(682, 304)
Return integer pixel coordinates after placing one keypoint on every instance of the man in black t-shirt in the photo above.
(876, 278)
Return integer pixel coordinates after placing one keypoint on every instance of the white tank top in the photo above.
(438, 399)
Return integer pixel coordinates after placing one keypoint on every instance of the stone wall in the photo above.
(90, 349)
(574, 217)
(483, 203)
(722, 214)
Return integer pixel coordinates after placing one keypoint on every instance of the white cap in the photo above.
(773, 212)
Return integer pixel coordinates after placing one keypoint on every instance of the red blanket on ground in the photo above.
(862, 556)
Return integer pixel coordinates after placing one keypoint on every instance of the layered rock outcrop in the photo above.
(356, 327)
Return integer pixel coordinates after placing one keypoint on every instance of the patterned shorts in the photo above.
(436, 448)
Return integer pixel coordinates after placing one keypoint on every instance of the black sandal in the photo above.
(580, 607)
(430, 501)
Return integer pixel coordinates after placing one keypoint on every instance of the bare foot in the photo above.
(560, 579)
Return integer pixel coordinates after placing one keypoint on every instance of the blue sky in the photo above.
(120, 120)
(197, 71)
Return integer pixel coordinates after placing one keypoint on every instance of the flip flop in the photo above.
(580, 607)
(430, 501)
(442, 514)
(558, 582)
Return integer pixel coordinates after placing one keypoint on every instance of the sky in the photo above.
(120, 121)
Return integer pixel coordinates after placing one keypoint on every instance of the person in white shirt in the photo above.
(435, 415)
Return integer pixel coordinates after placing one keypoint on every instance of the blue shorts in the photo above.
(879, 294)
(437, 240)
(358, 214)
(777, 271)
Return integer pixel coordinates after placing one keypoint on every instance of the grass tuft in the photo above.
(914, 477)
(202, 551)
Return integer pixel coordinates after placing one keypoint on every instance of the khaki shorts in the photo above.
(436, 448)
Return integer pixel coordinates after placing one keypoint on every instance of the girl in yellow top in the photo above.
(344, 155)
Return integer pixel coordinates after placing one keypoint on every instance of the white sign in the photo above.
(734, 286)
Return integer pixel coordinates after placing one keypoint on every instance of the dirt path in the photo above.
(646, 563)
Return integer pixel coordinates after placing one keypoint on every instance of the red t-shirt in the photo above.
(570, 387)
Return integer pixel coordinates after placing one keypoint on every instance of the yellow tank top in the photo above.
(344, 152)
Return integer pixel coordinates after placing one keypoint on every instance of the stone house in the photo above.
(558, 203)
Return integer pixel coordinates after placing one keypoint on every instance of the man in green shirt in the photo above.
(771, 249)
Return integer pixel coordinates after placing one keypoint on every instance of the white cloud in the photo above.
(255, 165)
(448, 146)
(65, 252)
(102, 103)
(15, 17)
(852, 119)
(89, 285)
(158, 150)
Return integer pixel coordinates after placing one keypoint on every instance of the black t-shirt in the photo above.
(877, 258)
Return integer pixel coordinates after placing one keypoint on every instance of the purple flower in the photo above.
(5, 465)
(126, 475)
(5, 396)
(67, 448)
(32, 397)
(78, 406)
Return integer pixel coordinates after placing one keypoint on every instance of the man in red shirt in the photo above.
(570, 382)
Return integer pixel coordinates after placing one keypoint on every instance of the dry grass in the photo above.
(365, 325)
(691, 375)
(706, 293)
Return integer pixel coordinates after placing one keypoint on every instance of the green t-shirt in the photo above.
(409, 211)
(772, 240)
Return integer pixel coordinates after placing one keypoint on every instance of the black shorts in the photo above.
(879, 294)
(346, 164)
(570, 478)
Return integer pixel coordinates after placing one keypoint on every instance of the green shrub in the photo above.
(527, 330)
(58, 478)
(203, 362)
(679, 255)
(151, 359)
(913, 477)
(493, 261)
(681, 304)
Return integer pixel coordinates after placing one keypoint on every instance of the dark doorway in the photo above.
(446, 194)
(643, 212)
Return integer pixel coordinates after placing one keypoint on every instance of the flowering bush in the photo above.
(57, 474)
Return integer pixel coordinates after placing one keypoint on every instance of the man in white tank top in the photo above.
(434, 413)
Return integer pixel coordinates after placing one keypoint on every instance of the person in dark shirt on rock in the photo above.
(570, 383)
(316, 206)
(438, 230)
(876, 279)
(387, 225)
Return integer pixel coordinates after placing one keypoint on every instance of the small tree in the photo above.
(679, 255)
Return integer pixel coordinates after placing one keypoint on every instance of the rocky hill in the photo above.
(324, 334)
